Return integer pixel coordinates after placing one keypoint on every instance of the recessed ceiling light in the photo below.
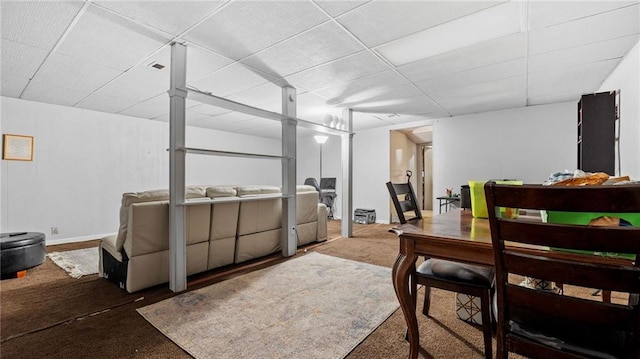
(495, 22)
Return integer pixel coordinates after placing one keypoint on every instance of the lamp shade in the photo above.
(321, 139)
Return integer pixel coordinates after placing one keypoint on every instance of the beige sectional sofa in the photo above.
(217, 234)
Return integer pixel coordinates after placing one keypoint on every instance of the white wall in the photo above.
(84, 160)
(626, 78)
(526, 143)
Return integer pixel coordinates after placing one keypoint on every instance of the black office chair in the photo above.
(325, 197)
(457, 277)
(328, 193)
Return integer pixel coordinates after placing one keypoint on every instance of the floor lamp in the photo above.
(321, 140)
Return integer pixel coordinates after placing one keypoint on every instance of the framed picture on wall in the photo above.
(17, 147)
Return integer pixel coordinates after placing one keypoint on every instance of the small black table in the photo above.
(20, 251)
(448, 200)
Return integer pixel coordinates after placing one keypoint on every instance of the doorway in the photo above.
(411, 151)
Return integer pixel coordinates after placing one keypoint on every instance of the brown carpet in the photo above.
(48, 314)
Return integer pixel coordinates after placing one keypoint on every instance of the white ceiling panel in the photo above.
(191, 118)
(487, 53)
(151, 108)
(49, 93)
(407, 106)
(138, 84)
(201, 62)
(503, 93)
(606, 26)
(230, 80)
(244, 27)
(109, 40)
(37, 23)
(21, 61)
(549, 81)
(386, 96)
(378, 22)
(263, 96)
(362, 88)
(338, 7)
(72, 73)
(169, 16)
(474, 76)
(207, 110)
(548, 13)
(349, 68)
(322, 44)
(604, 50)
(102, 103)
(363, 121)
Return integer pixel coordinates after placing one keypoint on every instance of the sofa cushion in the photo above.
(129, 198)
(306, 207)
(301, 188)
(250, 191)
(221, 191)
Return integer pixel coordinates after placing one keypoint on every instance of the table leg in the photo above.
(403, 269)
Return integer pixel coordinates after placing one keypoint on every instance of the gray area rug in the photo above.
(314, 306)
(77, 262)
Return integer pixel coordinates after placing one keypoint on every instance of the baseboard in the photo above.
(53, 242)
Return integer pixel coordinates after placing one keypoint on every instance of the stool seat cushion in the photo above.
(457, 271)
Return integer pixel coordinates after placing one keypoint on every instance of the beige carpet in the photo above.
(313, 306)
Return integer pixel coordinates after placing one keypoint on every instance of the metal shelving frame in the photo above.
(178, 93)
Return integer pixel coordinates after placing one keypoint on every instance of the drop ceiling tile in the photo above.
(565, 96)
(172, 17)
(388, 95)
(346, 69)
(138, 84)
(594, 52)
(336, 7)
(263, 96)
(487, 53)
(362, 88)
(590, 75)
(55, 95)
(207, 110)
(151, 108)
(474, 76)
(107, 39)
(313, 108)
(548, 13)
(322, 44)
(230, 80)
(202, 62)
(606, 26)
(18, 63)
(72, 73)
(108, 104)
(487, 96)
(191, 118)
(378, 22)
(406, 106)
(364, 121)
(244, 27)
(37, 23)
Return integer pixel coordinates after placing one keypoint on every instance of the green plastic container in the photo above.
(583, 218)
(479, 201)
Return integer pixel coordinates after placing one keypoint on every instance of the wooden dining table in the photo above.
(457, 236)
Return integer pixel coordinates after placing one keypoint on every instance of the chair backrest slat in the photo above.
(408, 203)
(572, 255)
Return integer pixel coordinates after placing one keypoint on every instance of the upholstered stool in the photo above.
(462, 278)
(20, 251)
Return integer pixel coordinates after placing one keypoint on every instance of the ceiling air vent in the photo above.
(157, 65)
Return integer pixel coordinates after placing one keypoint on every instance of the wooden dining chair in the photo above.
(543, 324)
(452, 276)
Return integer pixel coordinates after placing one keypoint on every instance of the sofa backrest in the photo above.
(130, 198)
(261, 215)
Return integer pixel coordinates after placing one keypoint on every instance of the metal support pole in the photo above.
(177, 242)
(347, 175)
(320, 178)
(289, 137)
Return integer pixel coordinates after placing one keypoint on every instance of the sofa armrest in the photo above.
(322, 223)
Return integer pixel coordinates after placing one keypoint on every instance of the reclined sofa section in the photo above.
(217, 234)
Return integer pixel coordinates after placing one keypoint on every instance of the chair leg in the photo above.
(485, 308)
(427, 301)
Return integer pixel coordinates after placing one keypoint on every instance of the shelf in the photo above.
(202, 151)
(198, 201)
